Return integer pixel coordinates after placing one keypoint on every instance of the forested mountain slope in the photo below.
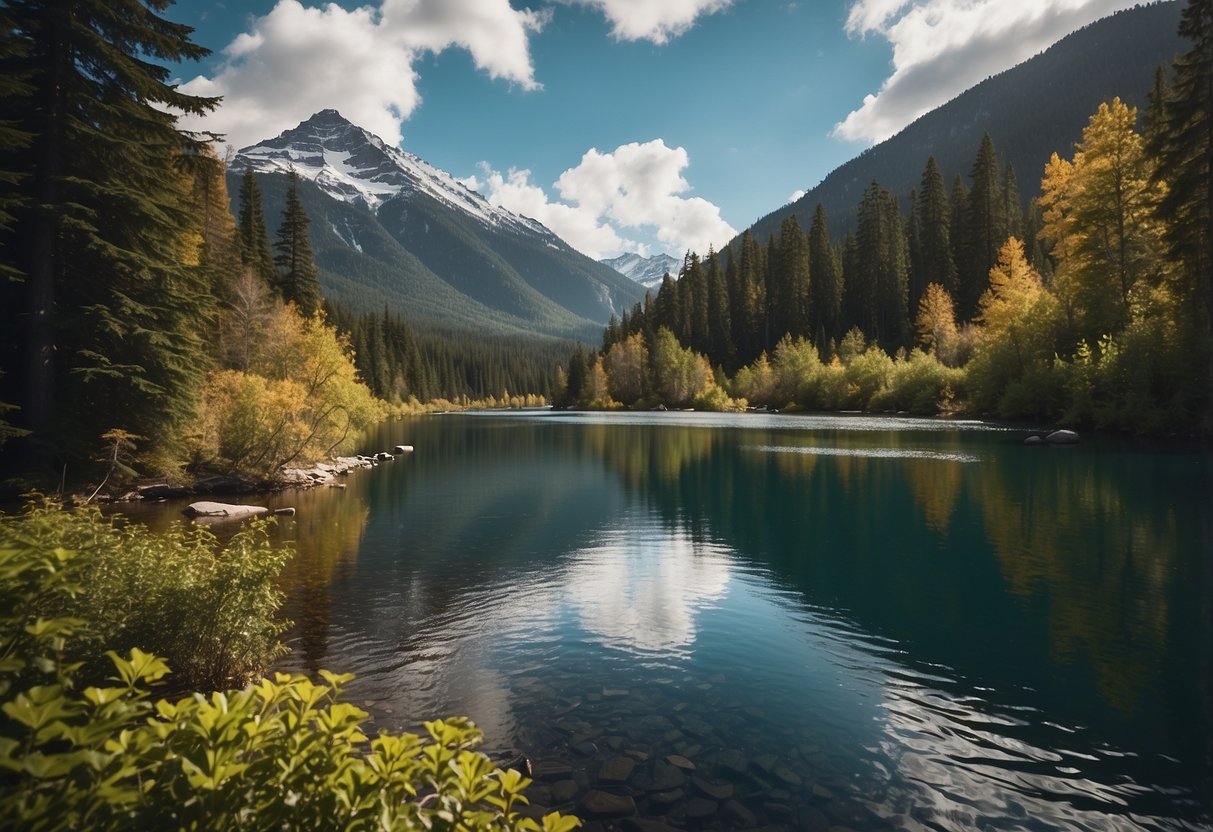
(390, 230)
(1030, 111)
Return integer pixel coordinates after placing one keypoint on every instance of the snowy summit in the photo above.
(353, 165)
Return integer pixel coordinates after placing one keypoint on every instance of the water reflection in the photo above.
(641, 592)
(925, 623)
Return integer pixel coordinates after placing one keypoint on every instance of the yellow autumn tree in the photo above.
(627, 368)
(1098, 218)
(936, 324)
(1010, 372)
(298, 401)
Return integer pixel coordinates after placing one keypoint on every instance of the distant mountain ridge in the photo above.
(647, 271)
(1030, 111)
(389, 229)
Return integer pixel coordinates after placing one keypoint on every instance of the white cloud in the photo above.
(581, 229)
(796, 194)
(943, 47)
(653, 20)
(298, 59)
(637, 187)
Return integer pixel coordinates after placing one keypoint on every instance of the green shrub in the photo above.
(210, 610)
(919, 383)
(281, 754)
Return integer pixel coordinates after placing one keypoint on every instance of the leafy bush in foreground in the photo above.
(280, 754)
(209, 609)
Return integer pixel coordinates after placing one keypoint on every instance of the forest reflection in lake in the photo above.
(873, 622)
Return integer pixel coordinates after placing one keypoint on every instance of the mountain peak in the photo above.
(354, 165)
(647, 271)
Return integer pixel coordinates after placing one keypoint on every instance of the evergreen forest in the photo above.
(1089, 306)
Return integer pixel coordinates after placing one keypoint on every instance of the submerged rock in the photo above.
(698, 808)
(616, 770)
(602, 804)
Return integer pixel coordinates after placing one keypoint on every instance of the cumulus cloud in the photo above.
(637, 187)
(796, 194)
(653, 21)
(299, 59)
(943, 47)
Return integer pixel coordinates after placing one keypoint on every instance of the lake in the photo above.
(874, 623)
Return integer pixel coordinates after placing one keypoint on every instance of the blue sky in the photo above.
(625, 125)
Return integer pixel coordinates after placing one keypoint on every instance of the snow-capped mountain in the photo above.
(647, 271)
(354, 165)
(390, 229)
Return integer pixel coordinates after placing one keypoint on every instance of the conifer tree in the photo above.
(882, 269)
(1183, 145)
(749, 315)
(958, 233)
(986, 226)
(1012, 204)
(720, 329)
(665, 309)
(825, 288)
(103, 197)
(254, 237)
(936, 263)
(297, 273)
(790, 281)
(695, 283)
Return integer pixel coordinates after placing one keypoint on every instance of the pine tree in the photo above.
(297, 273)
(695, 282)
(986, 226)
(958, 233)
(936, 262)
(13, 140)
(1012, 204)
(825, 288)
(882, 269)
(1183, 146)
(720, 329)
(749, 315)
(790, 281)
(254, 237)
(103, 198)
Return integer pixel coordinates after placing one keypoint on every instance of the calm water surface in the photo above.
(873, 623)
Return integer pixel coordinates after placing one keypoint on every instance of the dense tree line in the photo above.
(400, 362)
(735, 305)
(1094, 305)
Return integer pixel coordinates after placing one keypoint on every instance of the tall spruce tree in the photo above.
(790, 281)
(985, 224)
(882, 269)
(958, 232)
(1183, 145)
(720, 327)
(298, 280)
(936, 263)
(825, 288)
(254, 236)
(103, 197)
(749, 315)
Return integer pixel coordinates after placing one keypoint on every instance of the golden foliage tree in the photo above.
(627, 367)
(298, 400)
(1098, 213)
(936, 324)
